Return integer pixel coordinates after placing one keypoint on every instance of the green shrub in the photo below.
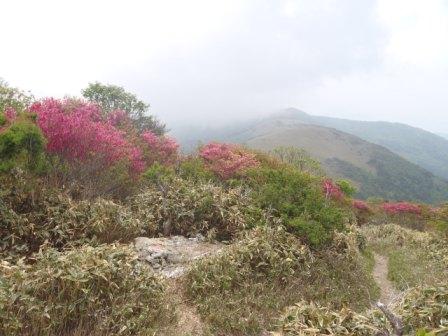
(187, 208)
(194, 169)
(98, 290)
(158, 173)
(3, 119)
(297, 198)
(13, 98)
(21, 145)
(346, 187)
(240, 290)
(298, 158)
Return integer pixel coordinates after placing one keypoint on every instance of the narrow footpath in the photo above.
(380, 270)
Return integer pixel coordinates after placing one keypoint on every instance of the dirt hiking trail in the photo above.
(380, 270)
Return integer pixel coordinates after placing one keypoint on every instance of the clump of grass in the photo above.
(425, 308)
(32, 215)
(187, 207)
(310, 319)
(242, 289)
(423, 311)
(87, 290)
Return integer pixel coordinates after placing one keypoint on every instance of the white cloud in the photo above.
(216, 59)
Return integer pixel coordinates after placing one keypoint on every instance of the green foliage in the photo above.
(3, 119)
(13, 98)
(22, 145)
(158, 173)
(298, 199)
(241, 290)
(346, 187)
(91, 290)
(112, 97)
(194, 169)
(393, 178)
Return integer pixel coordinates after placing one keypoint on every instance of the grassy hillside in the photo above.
(418, 146)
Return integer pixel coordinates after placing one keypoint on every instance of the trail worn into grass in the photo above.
(189, 322)
(380, 270)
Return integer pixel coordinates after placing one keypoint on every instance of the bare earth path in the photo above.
(388, 292)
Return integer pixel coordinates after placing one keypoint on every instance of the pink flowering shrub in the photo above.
(227, 160)
(360, 205)
(401, 208)
(76, 132)
(332, 190)
(117, 118)
(161, 149)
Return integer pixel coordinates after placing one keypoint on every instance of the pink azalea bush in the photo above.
(401, 208)
(118, 117)
(227, 160)
(76, 132)
(331, 190)
(360, 205)
(160, 149)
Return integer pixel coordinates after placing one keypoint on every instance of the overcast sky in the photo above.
(214, 60)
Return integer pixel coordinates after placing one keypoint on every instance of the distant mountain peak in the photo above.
(292, 113)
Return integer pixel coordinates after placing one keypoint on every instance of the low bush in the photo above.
(425, 308)
(194, 169)
(31, 216)
(188, 208)
(362, 211)
(227, 160)
(21, 144)
(88, 291)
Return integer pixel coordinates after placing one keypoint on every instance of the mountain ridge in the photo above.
(426, 149)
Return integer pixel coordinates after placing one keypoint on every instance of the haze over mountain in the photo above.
(374, 169)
